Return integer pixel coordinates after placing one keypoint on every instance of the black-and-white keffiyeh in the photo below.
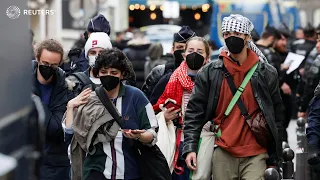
(240, 24)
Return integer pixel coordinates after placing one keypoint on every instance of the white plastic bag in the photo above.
(204, 157)
(166, 139)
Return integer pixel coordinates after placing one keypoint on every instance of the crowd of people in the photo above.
(121, 109)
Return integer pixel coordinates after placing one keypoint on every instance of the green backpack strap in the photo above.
(240, 90)
(236, 97)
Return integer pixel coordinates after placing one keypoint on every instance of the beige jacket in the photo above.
(92, 124)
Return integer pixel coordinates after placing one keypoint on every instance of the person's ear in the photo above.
(248, 38)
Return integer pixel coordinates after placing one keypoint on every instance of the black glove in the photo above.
(314, 155)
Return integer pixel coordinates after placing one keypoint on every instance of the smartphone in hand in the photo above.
(171, 103)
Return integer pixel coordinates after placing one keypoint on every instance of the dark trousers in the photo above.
(55, 172)
(315, 172)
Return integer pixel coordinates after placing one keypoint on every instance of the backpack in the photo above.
(73, 65)
(84, 81)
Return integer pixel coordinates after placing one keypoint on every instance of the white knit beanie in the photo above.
(97, 39)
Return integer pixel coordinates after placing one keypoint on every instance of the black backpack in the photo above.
(84, 81)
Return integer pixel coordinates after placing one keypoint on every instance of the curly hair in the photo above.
(50, 45)
(114, 58)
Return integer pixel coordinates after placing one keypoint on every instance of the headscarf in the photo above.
(240, 24)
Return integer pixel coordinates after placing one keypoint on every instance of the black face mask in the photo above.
(46, 72)
(109, 82)
(178, 56)
(235, 44)
(194, 61)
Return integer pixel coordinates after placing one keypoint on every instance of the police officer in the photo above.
(312, 76)
(303, 47)
(159, 71)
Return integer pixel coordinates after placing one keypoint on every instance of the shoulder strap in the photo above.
(238, 93)
(242, 107)
(81, 76)
(109, 105)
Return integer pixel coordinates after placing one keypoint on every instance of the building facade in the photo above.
(71, 17)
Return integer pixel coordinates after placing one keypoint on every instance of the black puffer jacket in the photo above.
(137, 54)
(205, 96)
(157, 73)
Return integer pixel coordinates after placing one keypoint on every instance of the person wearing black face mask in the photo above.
(173, 61)
(179, 89)
(50, 86)
(236, 140)
(139, 126)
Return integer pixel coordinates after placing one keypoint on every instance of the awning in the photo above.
(144, 2)
(188, 3)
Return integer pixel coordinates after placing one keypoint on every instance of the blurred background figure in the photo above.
(120, 41)
(214, 50)
(137, 51)
(155, 52)
(299, 33)
(255, 36)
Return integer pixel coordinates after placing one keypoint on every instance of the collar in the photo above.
(235, 61)
(122, 90)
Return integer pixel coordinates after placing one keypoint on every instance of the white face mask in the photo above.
(92, 60)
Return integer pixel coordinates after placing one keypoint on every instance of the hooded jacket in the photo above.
(55, 148)
(92, 124)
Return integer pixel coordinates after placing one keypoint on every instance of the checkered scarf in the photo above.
(240, 24)
(179, 81)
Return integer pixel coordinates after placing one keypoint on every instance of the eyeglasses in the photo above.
(53, 66)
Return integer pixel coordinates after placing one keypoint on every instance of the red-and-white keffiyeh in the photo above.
(179, 82)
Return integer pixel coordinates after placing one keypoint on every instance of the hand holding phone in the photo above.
(170, 103)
